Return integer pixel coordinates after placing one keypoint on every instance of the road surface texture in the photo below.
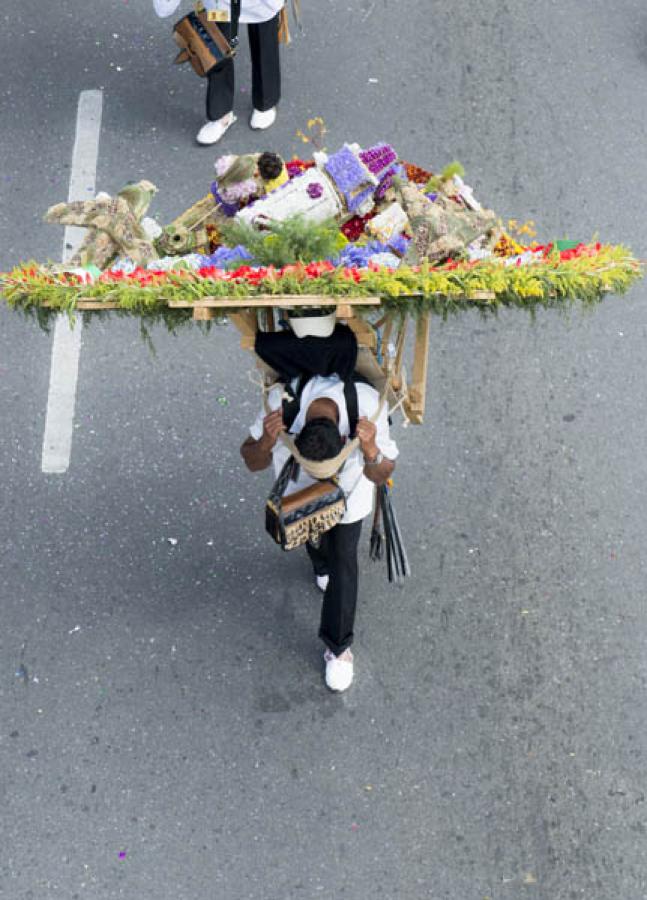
(165, 733)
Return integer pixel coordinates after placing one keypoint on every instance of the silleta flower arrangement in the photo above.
(359, 221)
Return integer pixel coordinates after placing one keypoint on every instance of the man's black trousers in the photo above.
(336, 556)
(266, 72)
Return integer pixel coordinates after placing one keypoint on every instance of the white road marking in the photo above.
(66, 348)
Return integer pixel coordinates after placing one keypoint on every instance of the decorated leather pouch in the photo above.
(203, 43)
(304, 515)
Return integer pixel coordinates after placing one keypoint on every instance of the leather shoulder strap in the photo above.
(352, 405)
(292, 406)
(327, 468)
(235, 19)
(281, 483)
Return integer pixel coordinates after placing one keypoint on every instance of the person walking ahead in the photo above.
(262, 19)
(322, 426)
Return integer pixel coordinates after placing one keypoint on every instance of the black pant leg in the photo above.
(220, 86)
(266, 63)
(340, 599)
(319, 555)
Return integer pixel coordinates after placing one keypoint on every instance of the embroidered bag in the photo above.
(203, 43)
(306, 514)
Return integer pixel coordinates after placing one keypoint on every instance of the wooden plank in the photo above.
(261, 301)
(481, 295)
(93, 304)
(286, 301)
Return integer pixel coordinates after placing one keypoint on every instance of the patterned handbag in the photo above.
(203, 43)
(306, 514)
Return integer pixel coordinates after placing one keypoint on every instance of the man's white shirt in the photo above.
(351, 477)
(251, 11)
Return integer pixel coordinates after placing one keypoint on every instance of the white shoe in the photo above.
(211, 132)
(339, 670)
(261, 120)
(322, 582)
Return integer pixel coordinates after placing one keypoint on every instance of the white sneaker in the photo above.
(322, 582)
(339, 670)
(211, 132)
(261, 120)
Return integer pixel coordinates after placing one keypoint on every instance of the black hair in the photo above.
(319, 439)
(270, 166)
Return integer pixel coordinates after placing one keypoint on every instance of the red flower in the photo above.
(240, 273)
(354, 228)
(297, 166)
(352, 274)
(212, 272)
(296, 269)
(319, 268)
(575, 252)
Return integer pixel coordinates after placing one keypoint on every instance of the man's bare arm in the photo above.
(380, 472)
(257, 454)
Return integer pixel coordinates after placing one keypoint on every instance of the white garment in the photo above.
(251, 11)
(351, 478)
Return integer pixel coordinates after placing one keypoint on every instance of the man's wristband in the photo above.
(376, 460)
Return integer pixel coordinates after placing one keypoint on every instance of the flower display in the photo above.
(416, 241)
(352, 178)
(379, 158)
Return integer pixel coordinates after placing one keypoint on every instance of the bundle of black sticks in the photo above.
(388, 537)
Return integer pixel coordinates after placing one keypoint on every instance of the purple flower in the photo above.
(346, 171)
(378, 158)
(315, 190)
(229, 209)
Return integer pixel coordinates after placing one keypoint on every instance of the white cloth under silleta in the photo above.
(351, 477)
(251, 12)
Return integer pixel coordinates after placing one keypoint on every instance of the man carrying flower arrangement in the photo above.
(326, 411)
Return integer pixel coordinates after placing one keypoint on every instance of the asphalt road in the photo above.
(164, 728)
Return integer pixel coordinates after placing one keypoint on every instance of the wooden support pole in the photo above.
(364, 332)
(386, 338)
(203, 314)
(415, 404)
(246, 323)
(396, 372)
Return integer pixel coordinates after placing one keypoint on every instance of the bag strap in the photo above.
(328, 467)
(281, 483)
(235, 19)
(352, 405)
(292, 404)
